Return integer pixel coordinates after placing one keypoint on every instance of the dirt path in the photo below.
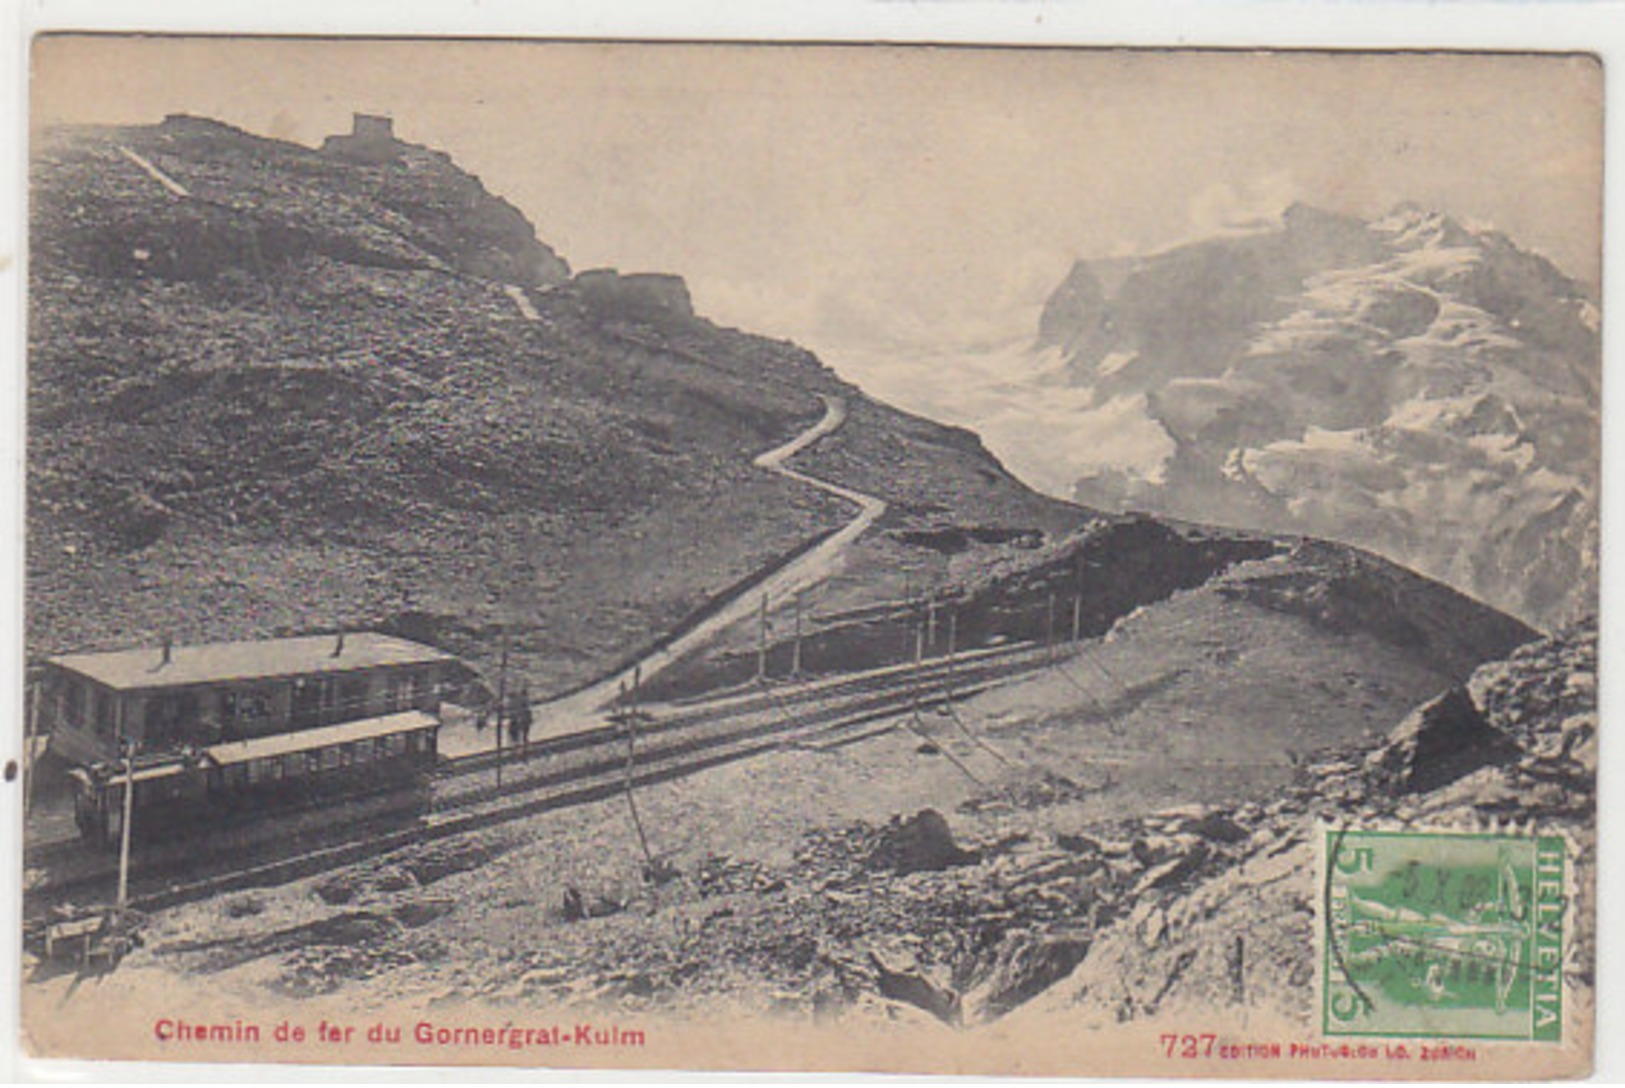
(809, 568)
(522, 301)
(156, 174)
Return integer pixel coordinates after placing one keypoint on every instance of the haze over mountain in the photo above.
(1407, 384)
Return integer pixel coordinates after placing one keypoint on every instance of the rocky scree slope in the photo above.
(1406, 384)
(1199, 910)
(1514, 751)
(276, 390)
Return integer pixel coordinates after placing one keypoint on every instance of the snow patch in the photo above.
(1114, 362)
(1122, 435)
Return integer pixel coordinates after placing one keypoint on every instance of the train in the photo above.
(210, 735)
(227, 783)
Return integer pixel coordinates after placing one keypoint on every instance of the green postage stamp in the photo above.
(1442, 935)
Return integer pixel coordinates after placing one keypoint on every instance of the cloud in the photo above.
(1222, 208)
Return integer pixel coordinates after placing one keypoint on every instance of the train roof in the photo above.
(279, 744)
(257, 659)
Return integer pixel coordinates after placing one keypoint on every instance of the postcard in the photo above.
(844, 557)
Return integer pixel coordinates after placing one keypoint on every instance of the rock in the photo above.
(392, 878)
(574, 907)
(1175, 869)
(1152, 850)
(1440, 742)
(336, 891)
(1216, 826)
(921, 843)
(909, 986)
(1156, 924)
(1077, 844)
(1026, 966)
(420, 912)
(245, 907)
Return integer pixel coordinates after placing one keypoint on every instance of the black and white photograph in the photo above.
(814, 557)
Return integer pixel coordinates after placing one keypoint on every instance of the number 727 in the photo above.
(1188, 1046)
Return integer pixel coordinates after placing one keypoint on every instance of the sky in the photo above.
(877, 198)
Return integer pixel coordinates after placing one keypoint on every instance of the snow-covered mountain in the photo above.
(1407, 384)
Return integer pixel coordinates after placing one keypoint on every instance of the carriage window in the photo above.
(353, 694)
(396, 693)
(237, 776)
(309, 701)
(171, 717)
(364, 750)
(73, 703)
(104, 712)
(246, 711)
(313, 761)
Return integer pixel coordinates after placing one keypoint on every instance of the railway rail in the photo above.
(479, 791)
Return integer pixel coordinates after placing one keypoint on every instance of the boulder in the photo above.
(1175, 869)
(1442, 740)
(920, 843)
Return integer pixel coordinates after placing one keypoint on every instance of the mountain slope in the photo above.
(1405, 384)
(280, 389)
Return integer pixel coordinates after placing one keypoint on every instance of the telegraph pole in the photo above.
(29, 732)
(1077, 618)
(124, 827)
(1049, 630)
(953, 633)
(502, 700)
(761, 643)
(919, 657)
(628, 715)
(795, 656)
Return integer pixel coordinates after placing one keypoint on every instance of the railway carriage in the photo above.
(227, 783)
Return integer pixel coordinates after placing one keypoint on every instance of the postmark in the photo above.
(1442, 935)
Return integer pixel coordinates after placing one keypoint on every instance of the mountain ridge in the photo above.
(1404, 383)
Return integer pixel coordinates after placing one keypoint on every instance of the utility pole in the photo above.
(919, 657)
(953, 633)
(1077, 618)
(502, 700)
(1049, 630)
(124, 826)
(29, 732)
(795, 655)
(931, 622)
(629, 722)
(761, 643)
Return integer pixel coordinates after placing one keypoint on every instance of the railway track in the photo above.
(466, 795)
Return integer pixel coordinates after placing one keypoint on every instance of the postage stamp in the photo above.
(1443, 935)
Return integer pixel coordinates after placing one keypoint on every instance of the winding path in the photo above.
(816, 563)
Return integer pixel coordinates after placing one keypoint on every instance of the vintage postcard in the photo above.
(812, 557)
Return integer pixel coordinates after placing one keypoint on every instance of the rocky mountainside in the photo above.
(1407, 384)
(1514, 751)
(280, 389)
